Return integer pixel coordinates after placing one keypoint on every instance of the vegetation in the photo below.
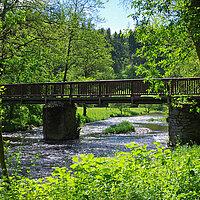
(45, 41)
(123, 127)
(101, 113)
(137, 174)
(150, 107)
(152, 119)
(21, 117)
(168, 32)
(2, 156)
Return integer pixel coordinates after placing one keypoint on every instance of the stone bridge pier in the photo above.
(184, 125)
(59, 121)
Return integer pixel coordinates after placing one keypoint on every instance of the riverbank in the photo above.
(102, 113)
(137, 174)
(28, 122)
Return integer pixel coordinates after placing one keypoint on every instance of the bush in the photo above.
(123, 127)
(139, 174)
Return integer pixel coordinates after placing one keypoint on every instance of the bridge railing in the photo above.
(130, 87)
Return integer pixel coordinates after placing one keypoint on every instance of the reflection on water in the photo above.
(59, 154)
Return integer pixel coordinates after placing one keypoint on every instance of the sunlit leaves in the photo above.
(139, 174)
(167, 31)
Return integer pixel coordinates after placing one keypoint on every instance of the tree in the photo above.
(133, 45)
(120, 52)
(169, 32)
(78, 15)
(46, 39)
(92, 57)
(26, 30)
(21, 24)
(2, 156)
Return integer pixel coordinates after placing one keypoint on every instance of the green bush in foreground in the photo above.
(138, 174)
(123, 127)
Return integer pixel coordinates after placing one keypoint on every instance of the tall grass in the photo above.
(138, 174)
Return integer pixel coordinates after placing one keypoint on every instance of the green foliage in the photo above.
(21, 117)
(2, 156)
(123, 127)
(138, 174)
(90, 56)
(169, 34)
(153, 107)
(152, 119)
(24, 27)
(40, 40)
(125, 61)
(122, 107)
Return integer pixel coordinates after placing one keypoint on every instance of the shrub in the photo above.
(123, 127)
(139, 174)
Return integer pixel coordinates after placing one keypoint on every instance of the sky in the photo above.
(115, 16)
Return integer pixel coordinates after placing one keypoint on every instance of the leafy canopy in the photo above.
(169, 32)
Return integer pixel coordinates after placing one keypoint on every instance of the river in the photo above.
(40, 156)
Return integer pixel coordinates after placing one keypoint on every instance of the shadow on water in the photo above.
(48, 154)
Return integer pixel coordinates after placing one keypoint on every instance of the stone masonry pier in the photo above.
(59, 121)
(184, 125)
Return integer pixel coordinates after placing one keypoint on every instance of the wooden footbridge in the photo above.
(133, 91)
(59, 119)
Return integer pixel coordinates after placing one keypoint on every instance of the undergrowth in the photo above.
(138, 174)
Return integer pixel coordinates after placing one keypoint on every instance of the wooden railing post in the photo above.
(62, 90)
(172, 87)
(132, 91)
(21, 91)
(70, 93)
(137, 87)
(100, 92)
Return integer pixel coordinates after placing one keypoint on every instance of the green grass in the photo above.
(123, 127)
(97, 114)
(139, 174)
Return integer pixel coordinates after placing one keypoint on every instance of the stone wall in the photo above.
(184, 125)
(59, 121)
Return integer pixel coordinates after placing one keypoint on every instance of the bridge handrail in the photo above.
(100, 81)
(122, 87)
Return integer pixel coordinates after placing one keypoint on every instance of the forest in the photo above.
(54, 41)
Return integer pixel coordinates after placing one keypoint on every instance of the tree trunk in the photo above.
(84, 110)
(68, 54)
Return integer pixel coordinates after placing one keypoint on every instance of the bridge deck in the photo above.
(109, 91)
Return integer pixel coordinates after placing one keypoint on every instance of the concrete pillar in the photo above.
(184, 125)
(59, 121)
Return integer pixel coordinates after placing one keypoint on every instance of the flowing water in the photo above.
(33, 149)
